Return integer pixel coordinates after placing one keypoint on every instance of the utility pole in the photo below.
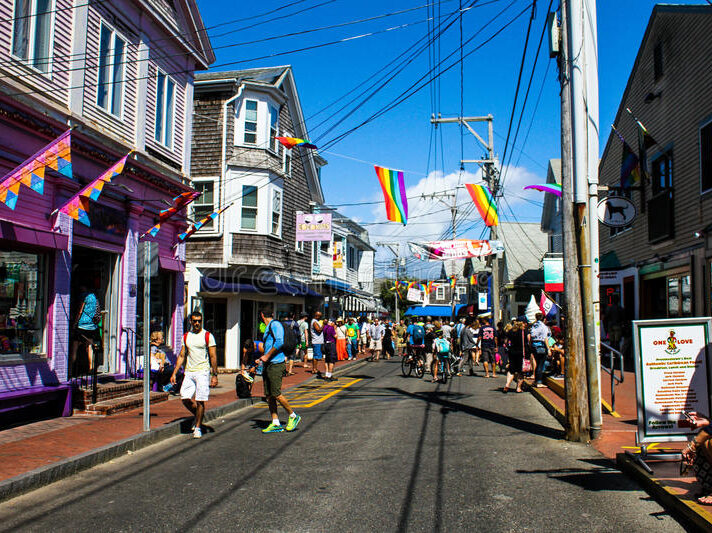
(583, 58)
(491, 176)
(395, 248)
(575, 382)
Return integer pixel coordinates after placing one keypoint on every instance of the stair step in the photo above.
(556, 386)
(107, 391)
(117, 405)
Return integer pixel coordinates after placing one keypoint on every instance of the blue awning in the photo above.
(339, 285)
(289, 288)
(432, 310)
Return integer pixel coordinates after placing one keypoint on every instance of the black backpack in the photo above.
(243, 389)
(290, 338)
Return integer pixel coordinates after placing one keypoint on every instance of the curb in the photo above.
(548, 405)
(34, 479)
(684, 510)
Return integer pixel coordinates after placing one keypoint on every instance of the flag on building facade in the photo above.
(484, 201)
(78, 205)
(291, 142)
(178, 203)
(630, 173)
(393, 186)
(645, 141)
(57, 155)
(473, 279)
(195, 227)
(453, 282)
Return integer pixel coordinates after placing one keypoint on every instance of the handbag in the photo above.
(526, 362)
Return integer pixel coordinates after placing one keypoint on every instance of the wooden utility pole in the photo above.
(575, 380)
(491, 176)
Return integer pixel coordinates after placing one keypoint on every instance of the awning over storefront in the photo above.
(432, 310)
(338, 285)
(292, 289)
(35, 237)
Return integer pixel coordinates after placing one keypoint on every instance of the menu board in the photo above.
(671, 376)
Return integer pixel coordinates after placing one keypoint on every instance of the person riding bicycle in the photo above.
(416, 338)
(441, 347)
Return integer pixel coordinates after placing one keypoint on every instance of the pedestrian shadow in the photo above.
(505, 420)
(258, 423)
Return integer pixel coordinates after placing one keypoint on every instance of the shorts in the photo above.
(376, 344)
(316, 349)
(196, 383)
(330, 355)
(93, 334)
(302, 346)
(272, 379)
(487, 355)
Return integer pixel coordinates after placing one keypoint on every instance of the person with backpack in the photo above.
(199, 353)
(441, 351)
(538, 341)
(278, 341)
(291, 323)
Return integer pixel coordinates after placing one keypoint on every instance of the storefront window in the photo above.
(22, 305)
(679, 296)
(161, 307)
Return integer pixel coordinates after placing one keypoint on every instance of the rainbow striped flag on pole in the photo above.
(484, 201)
(393, 187)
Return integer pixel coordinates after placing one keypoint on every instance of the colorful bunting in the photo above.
(291, 142)
(484, 202)
(552, 188)
(31, 173)
(393, 187)
(195, 227)
(179, 202)
(78, 205)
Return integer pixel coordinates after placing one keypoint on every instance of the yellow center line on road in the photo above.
(322, 392)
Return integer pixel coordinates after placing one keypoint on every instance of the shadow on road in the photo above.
(603, 477)
(505, 420)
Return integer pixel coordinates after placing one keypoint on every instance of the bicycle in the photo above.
(456, 364)
(443, 368)
(413, 362)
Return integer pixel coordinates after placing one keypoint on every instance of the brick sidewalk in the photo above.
(32, 446)
(618, 435)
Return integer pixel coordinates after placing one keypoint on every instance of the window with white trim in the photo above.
(276, 226)
(250, 122)
(248, 217)
(32, 33)
(440, 293)
(273, 123)
(165, 109)
(204, 204)
(110, 86)
(460, 292)
(287, 162)
(299, 247)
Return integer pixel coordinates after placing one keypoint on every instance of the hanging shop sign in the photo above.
(414, 295)
(454, 249)
(313, 226)
(671, 376)
(554, 274)
(482, 301)
(616, 211)
(338, 254)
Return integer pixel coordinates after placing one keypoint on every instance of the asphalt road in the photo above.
(385, 454)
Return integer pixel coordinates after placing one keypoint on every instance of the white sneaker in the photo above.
(197, 433)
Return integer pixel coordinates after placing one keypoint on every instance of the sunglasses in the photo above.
(196, 321)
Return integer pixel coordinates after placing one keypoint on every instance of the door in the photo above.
(215, 321)
(247, 321)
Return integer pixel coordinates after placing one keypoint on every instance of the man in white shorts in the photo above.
(376, 332)
(201, 369)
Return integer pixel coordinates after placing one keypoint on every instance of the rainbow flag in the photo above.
(485, 203)
(78, 205)
(57, 155)
(393, 187)
(473, 279)
(453, 281)
(291, 142)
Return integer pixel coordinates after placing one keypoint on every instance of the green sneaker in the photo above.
(272, 428)
(292, 422)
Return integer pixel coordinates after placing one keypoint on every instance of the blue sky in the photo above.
(403, 138)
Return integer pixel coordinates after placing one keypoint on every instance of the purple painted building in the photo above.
(120, 74)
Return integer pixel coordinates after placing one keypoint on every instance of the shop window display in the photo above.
(22, 317)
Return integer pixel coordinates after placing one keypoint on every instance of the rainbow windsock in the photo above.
(78, 205)
(393, 187)
(291, 142)
(551, 188)
(484, 202)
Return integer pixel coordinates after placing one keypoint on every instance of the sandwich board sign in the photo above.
(672, 375)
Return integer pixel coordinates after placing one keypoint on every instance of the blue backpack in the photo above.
(418, 334)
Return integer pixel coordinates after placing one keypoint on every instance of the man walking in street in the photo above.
(329, 349)
(274, 367)
(539, 342)
(352, 334)
(376, 333)
(303, 339)
(317, 341)
(201, 369)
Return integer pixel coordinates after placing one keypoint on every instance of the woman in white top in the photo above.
(341, 351)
